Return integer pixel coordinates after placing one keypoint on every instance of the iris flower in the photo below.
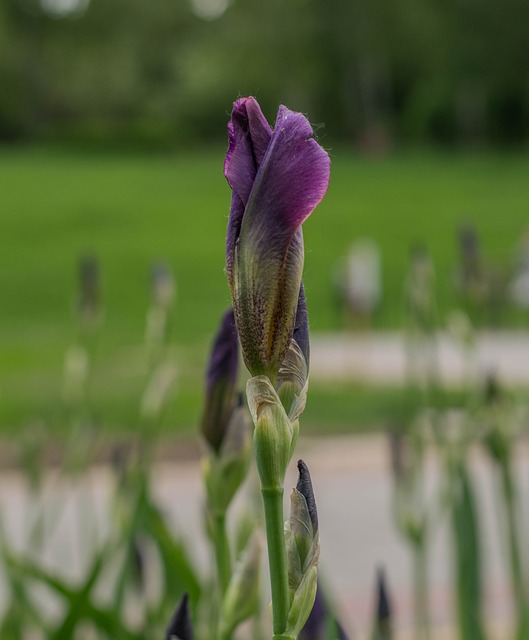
(277, 176)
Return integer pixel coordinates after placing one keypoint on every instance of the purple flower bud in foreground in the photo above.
(304, 486)
(277, 178)
(180, 627)
(221, 380)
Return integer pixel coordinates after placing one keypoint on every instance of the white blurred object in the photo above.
(362, 274)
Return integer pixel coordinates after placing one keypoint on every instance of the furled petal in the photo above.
(220, 382)
(304, 486)
(301, 327)
(249, 135)
(274, 191)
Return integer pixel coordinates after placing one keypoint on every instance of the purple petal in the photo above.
(221, 380)
(304, 486)
(180, 626)
(249, 135)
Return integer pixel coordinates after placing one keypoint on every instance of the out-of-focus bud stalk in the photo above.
(226, 431)
(180, 627)
(225, 471)
(241, 600)
(382, 628)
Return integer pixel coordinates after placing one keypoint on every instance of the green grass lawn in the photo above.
(131, 210)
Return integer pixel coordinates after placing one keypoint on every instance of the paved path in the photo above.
(382, 357)
(353, 491)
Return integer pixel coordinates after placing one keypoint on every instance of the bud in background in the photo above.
(226, 431)
(382, 629)
(163, 293)
(180, 627)
(277, 178)
(221, 381)
(225, 422)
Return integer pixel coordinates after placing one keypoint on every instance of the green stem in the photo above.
(222, 552)
(422, 631)
(514, 547)
(277, 558)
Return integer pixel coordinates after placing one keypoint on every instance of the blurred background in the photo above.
(113, 210)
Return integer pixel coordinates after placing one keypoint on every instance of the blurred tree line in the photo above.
(160, 73)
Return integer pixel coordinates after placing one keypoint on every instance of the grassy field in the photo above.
(132, 210)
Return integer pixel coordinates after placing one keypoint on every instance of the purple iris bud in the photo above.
(221, 380)
(301, 327)
(180, 627)
(304, 486)
(277, 178)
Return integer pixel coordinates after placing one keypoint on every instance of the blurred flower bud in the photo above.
(225, 471)
(221, 397)
(180, 627)
(242, 597)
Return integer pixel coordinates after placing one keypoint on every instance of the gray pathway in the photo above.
(383, 357)
(353, 491)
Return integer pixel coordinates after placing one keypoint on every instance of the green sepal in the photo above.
(273, 434)
(302, 603)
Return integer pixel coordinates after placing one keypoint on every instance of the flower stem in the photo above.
(273, 508)
(222, 552)
(422, 631)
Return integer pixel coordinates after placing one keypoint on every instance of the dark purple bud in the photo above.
(180, 627)
(304, 486)
(221, 380)
(383, 612)
(301, 328)
(277, 178)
